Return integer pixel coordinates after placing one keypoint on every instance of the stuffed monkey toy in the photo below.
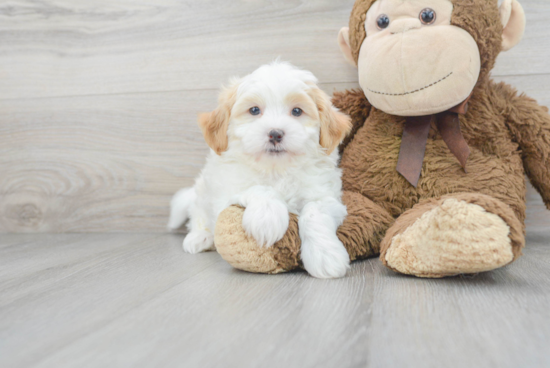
(434, 168)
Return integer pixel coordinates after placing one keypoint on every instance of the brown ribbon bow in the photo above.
(415, 136)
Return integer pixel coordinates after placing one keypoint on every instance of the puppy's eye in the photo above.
(255, 110)
(383, 21)
(427, 16)
(297, 111)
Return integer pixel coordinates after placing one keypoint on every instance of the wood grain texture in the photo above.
(67, 48)
(136, 300)
(98, 98)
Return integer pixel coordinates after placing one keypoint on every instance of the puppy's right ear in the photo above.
(334, 124)
(214, 124)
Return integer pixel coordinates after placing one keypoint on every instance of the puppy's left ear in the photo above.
(214, 124)
(334, 124)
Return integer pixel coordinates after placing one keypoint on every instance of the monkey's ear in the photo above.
(334, 124)
(343, 41)
(214, 124)
(512, 17)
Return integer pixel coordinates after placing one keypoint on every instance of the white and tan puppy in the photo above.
(273, 139)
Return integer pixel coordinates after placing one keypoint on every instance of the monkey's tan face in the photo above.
(413, 61)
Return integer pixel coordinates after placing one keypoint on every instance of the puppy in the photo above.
(273, 141)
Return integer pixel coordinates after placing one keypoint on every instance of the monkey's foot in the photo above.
(461, 234)
(242, 251)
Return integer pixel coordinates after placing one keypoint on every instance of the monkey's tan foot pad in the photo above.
(455, 237)
(242, 252)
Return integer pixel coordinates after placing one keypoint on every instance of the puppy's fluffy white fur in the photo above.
(247, 166)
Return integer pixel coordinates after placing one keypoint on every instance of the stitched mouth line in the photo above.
(411, 92)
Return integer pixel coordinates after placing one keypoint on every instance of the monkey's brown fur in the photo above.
(508, 135)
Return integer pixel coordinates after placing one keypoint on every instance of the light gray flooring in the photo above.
(136, 300)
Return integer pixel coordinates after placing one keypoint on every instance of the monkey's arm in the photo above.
(355, 104)
(529, 123)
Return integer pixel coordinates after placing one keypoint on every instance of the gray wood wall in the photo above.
(98, 98)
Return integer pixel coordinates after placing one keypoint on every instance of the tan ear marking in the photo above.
(512, 17)
(334, 124)
(214, 124)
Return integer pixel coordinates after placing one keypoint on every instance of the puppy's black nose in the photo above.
(276, 136)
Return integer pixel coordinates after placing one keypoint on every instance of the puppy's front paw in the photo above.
(198, 241)
(325, 258)
(266, 222)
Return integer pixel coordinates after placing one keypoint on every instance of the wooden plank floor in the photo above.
(136, 300)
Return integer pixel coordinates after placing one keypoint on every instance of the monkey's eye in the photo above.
(427, 16)
(297, 111)
(255, 110)
(383, 21)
